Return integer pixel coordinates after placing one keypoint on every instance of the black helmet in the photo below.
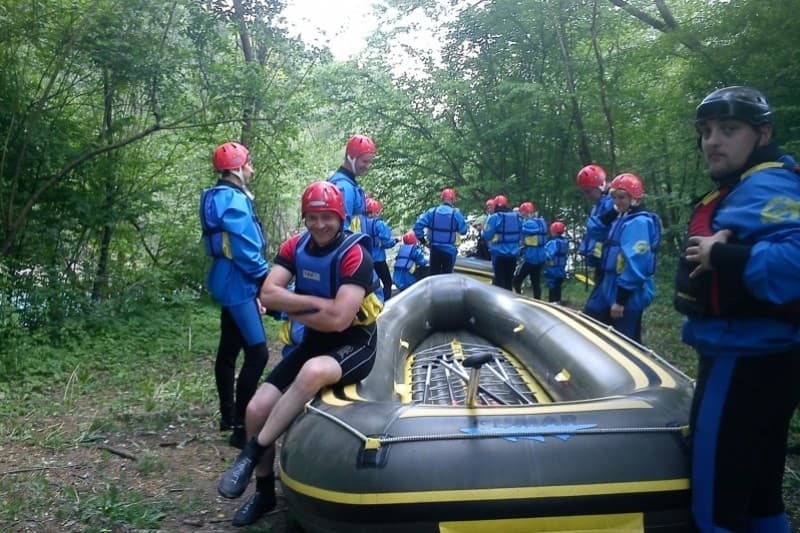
(742, 103)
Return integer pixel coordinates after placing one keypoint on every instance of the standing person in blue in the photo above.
(382, 240)
(628, 261)
(555, 270)
(591, 181)
(738, 285)
(503, 231)
(234, 238)
(409, 262)
(358, 155)
(534, 237)
(443, 224)
(337, 297)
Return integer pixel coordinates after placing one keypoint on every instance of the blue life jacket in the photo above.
(444, 225)
(320, 275)
(215, 239)
(403, 260)
(509, 230)
(612, 246)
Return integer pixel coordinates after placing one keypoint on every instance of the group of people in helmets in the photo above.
(737, 285)
(521, 246)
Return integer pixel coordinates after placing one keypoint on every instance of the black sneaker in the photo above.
(259, 504)
(238, 438)
(235, 480)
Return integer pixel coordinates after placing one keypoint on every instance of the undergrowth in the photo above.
(147, 367)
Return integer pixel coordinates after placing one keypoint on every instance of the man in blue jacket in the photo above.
(503, 231)
(234, 238)
(358, 155)
(739, 288)
(443, 223)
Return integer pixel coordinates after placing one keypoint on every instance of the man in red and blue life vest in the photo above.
(337, 297)
(738, 285)
(234, 238)
(503, 231)
(443, 223)
(628, 261)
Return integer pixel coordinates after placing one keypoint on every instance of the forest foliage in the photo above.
(109, 110)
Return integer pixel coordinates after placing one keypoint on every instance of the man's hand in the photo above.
(699, 250)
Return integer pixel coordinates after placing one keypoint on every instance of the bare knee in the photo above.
(262, 402)
(317, 373)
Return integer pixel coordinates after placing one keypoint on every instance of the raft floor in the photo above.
(435, 368)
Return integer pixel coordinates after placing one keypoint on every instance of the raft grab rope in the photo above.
(374, 443)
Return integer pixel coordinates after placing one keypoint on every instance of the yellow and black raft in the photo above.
(491, 412)
(480, 269)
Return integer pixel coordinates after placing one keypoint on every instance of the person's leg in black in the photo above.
(382, 269)
(519, 277)
(230, 342)
(536, 281)
(249, 323)
(554, 294)
(504, 271)
(438, 262)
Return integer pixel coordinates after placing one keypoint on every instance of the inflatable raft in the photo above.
(487, 411)
(480, 269)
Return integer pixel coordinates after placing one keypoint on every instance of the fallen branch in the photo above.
(117, 451)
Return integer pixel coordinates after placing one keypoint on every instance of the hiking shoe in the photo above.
(235, 480)
(259, 504)
(238, 438)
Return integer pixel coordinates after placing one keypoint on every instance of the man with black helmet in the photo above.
(739, 287)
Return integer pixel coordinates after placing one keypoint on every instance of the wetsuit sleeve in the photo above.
(357, 268)
(286, 254)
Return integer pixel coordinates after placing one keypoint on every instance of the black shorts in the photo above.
(353, 349)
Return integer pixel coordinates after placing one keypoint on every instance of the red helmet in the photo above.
(527, 208)
(322, 196)
(500, 201)
(448, 195)
(557, 228)
(409, 238)
(630, 183)
(489, 203)
(592, 176)
(374, 206)
(230, 156)
(359, 145)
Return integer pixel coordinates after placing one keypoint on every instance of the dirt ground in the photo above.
(187, 463)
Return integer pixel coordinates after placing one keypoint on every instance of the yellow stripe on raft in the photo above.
(620, 523)
(640, 379)
(483, 494)
(425, 411)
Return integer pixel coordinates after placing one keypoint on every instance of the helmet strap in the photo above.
(352, 162)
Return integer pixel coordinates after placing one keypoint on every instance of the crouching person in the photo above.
(337, 297)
